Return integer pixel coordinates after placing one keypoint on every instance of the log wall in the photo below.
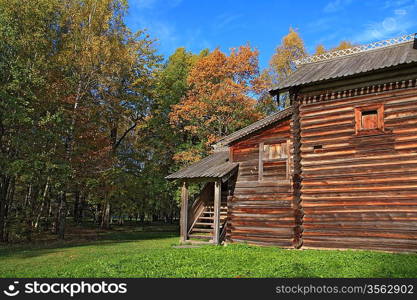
(360, 191)
(261, 211)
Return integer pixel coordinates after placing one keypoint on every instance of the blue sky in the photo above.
(199, 24)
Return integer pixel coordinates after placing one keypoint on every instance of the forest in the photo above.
(92, 117)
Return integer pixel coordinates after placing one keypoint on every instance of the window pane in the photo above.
(284, 150)
(266, 152)
(275, 151)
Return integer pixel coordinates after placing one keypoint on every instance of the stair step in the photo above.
(212, 212)
(202, 237)
(201, 230)
(203, 224)
(212, 208)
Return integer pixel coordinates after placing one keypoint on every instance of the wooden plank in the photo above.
(217, 205)
(260, 161)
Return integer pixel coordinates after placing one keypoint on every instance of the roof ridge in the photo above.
(357, 49)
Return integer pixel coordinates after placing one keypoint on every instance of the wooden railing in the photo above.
(223, 232)
(199, 204)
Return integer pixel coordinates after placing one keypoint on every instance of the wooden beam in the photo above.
(217, 204)
(261, 162)
(184, 212)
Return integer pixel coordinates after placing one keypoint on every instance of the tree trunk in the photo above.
(76, 206)
(43, 204)
(105, 220)
(27, 210)
(62, 212)
(9, 200)
(81, 207)
(4, 186)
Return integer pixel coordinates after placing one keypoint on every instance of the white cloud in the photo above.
(148, 14)
(320, 24)
(389, 27)
(400, 12)
(396, 3)
(336, 5)
(225, 20)
(151, 4)
(400, 22)
(143, 3)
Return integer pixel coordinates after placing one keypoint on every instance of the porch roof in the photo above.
(216, 165)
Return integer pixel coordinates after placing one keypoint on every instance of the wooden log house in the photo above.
(337, 169)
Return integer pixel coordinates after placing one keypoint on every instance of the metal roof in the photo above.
(216, 165)
(254, 127)
(349, 65)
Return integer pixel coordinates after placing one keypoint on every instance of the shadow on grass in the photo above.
(107, 238)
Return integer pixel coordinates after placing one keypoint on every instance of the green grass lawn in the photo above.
(138, 253)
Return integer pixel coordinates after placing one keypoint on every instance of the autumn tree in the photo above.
(343, 45)
(282, 65)
(320, 49)
(220, 99)
(290, 49)
(76, 84)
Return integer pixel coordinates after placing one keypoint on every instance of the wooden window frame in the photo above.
(380, 119)
(262, 160)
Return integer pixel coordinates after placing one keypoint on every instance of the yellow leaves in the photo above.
(291, 48)
(343, 45)
(320, 50)
(188, 156)
(292, 39)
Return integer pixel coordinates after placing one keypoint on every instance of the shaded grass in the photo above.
(138, 253)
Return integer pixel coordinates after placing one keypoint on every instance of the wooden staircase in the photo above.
(203, 226)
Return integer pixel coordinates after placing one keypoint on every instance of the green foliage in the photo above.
(136, 253)
(75, 86)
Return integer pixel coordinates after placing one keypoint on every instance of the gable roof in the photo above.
(237, 135)
(216, 165)
(349, 65)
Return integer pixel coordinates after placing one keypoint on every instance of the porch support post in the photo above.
(184, 213)
(217, 204)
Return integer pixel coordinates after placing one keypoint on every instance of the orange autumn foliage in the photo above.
(221, 96)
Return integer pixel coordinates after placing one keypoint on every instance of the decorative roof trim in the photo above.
(357, 49)
(370, 89)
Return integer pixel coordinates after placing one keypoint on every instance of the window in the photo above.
(275, 151)
(273, 161)
(369, 119)
(318, 148)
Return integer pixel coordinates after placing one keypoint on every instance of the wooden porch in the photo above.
(205, 220)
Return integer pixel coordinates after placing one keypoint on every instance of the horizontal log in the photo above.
(399, 96)
(361, 225)
(261, 215)
(263, 242)
(289, 223)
